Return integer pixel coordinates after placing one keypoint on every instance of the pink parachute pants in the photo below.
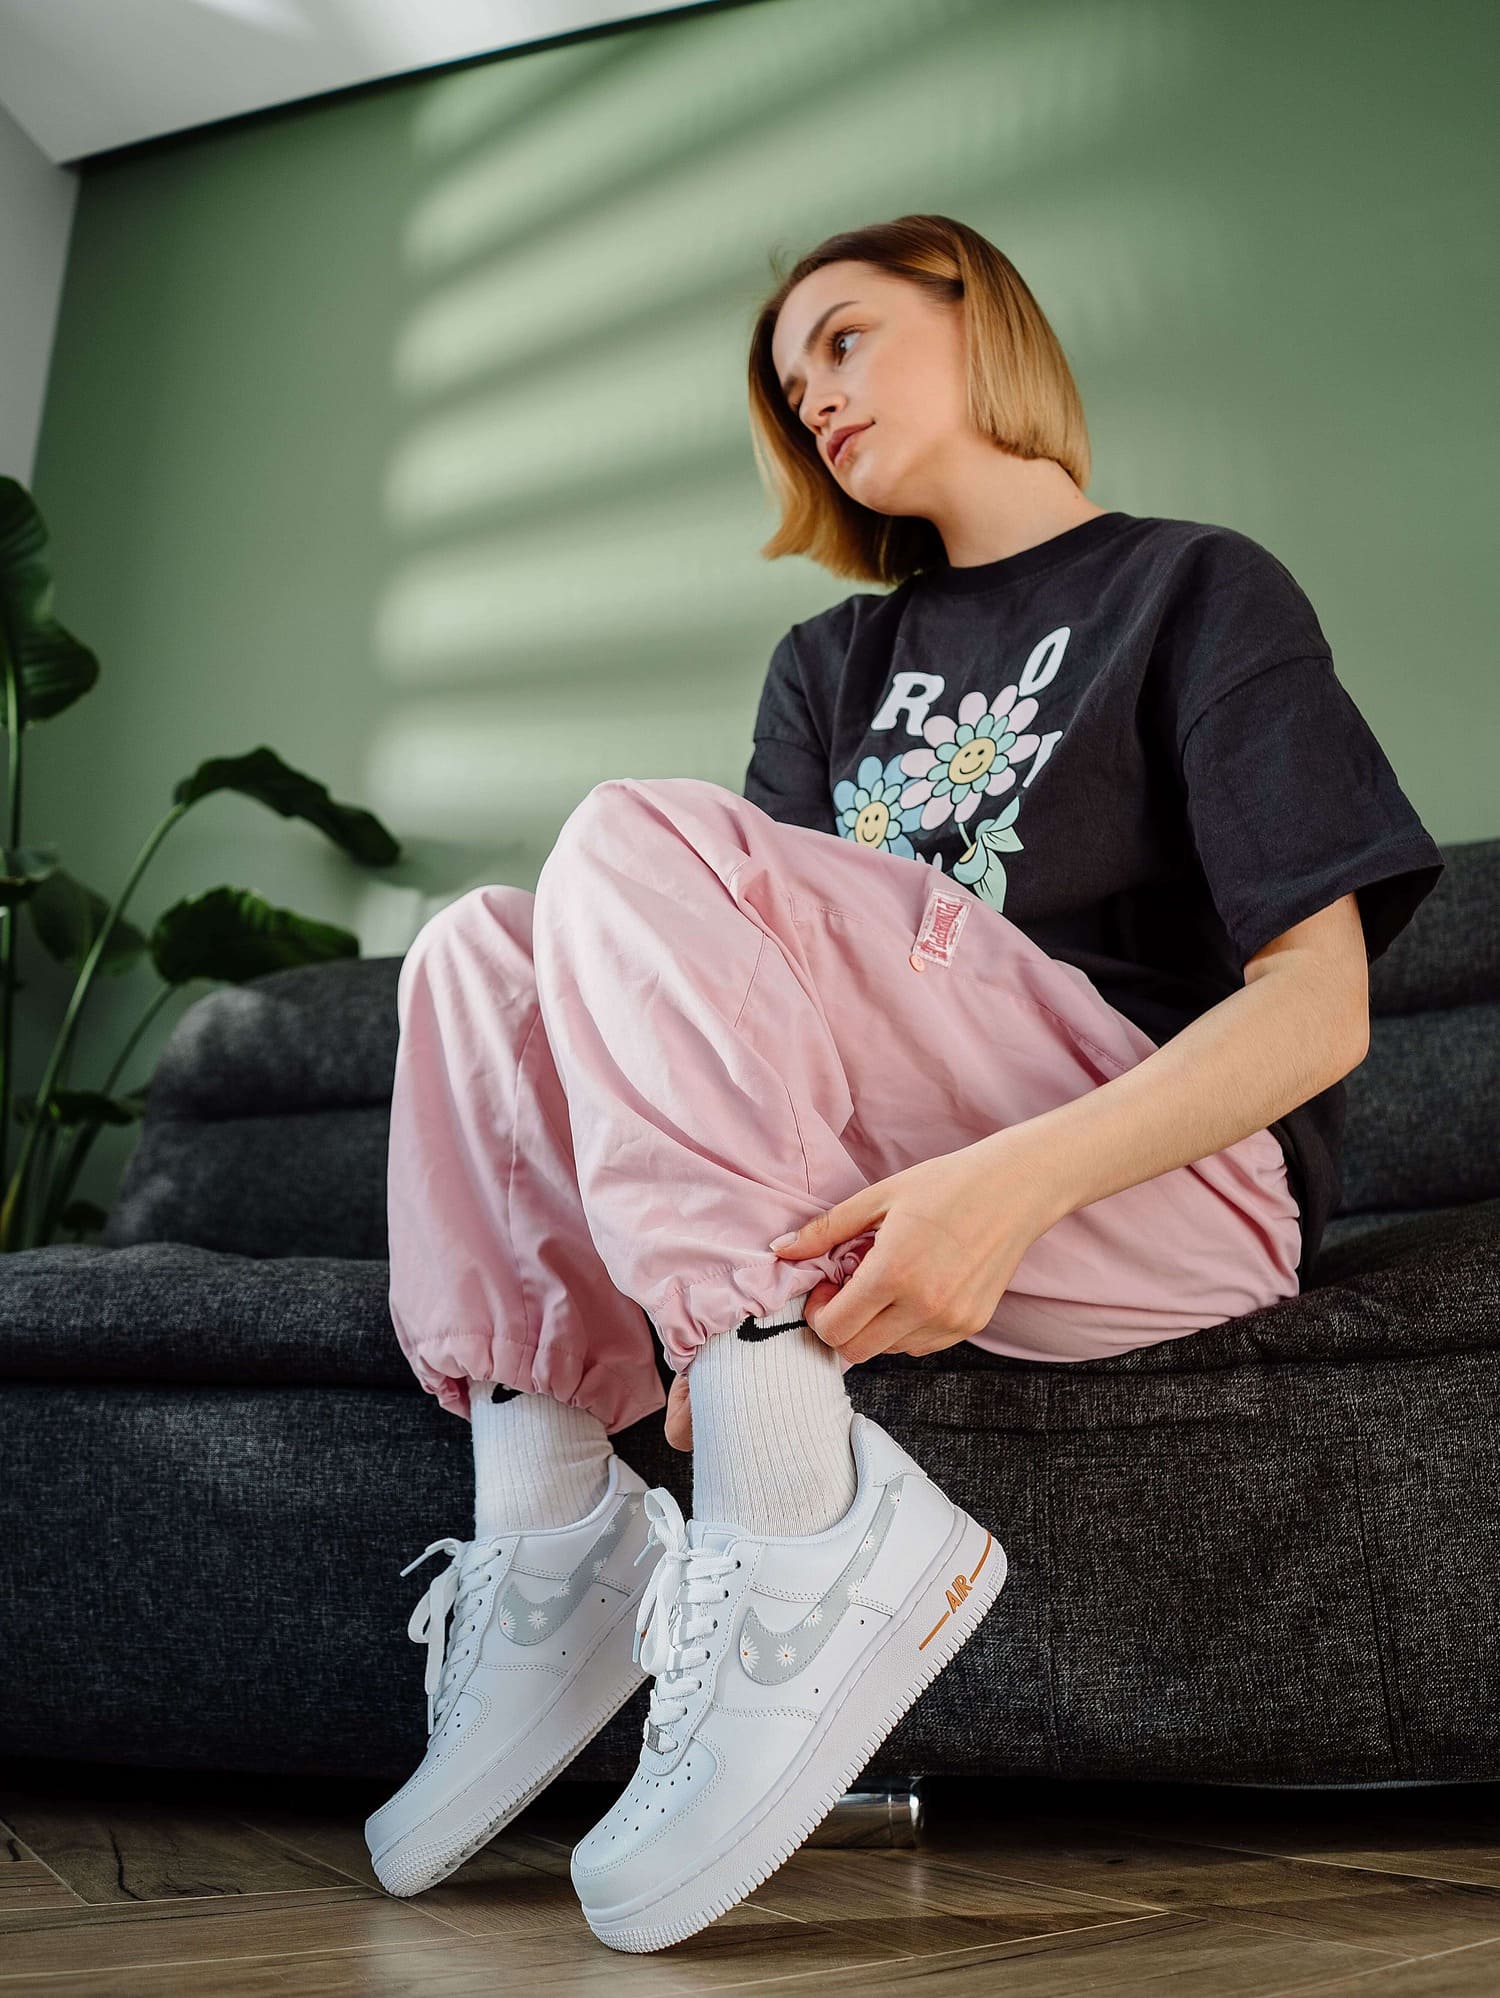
(702, 1029)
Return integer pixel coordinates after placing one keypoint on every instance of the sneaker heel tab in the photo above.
(878, 1457)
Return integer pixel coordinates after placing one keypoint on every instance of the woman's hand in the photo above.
(949, 1233)
(679, 1416)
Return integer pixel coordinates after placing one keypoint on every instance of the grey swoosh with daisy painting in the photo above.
(769, 1656)
(528, 1622)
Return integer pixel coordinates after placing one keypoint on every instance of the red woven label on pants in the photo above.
(942, 920)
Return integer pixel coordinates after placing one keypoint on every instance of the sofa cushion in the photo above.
(171, 1311)
(312, 1037)
(1449, 953)
(1420, 1128)
(268, 1118)
(300, 1183)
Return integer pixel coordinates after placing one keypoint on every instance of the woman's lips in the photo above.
(838, 456)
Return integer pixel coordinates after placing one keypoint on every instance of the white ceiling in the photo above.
(83, 76)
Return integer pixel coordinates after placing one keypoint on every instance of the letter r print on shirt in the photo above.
(912, 695)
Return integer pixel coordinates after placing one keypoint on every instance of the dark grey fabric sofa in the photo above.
(1264, 1554)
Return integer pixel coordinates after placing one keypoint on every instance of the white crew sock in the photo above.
(537, 1462)
(771, 1417)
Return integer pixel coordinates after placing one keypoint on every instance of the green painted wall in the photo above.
(406, 433)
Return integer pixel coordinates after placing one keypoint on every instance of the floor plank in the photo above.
(25, 1882)
(1174, 1956)
(144, 1850)
(1459, 1973)
(205, 1929)
(1384, 1911)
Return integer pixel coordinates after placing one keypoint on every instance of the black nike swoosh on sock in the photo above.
(748, 1329)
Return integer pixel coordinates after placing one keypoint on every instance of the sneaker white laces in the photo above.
(431, 1613)
(684, 1579)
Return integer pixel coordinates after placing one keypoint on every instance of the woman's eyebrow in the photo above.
(817, 326)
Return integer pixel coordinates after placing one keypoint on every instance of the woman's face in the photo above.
(890, 357)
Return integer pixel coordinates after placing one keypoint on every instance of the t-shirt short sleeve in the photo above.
(1293, 804)
(788, 771)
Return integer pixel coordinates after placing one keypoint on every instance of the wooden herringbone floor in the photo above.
(133, 1885)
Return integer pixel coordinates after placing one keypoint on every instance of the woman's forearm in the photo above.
(1247, 1060)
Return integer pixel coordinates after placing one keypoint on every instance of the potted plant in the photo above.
(225, 933)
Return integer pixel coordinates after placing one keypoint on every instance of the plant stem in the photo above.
(14, 1192)
(81, 1140)
(8, 916)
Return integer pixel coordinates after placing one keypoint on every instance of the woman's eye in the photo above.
(831, 341)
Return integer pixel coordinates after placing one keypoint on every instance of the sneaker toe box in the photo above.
(649, 1834)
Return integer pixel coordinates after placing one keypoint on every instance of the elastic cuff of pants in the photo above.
(619, 1396)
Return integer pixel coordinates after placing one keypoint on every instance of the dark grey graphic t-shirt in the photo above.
(1131, 740)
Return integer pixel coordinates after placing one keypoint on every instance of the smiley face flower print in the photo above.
(945, 781)
(961, 764)
(869, 809)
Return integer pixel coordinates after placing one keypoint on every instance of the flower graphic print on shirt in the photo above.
(955, 775)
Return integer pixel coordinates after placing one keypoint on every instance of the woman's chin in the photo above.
(870, 491)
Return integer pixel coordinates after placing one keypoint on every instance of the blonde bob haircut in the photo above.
(1021, 393)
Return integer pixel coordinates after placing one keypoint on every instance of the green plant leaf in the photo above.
(67, 916)
(233, 934)
(22, 870)
(53, 670)
(79, 1106)
(262, 775)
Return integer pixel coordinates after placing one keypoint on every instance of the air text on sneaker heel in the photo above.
(940, 1614)
(949, 1597)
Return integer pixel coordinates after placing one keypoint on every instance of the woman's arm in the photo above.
(1300, 1024)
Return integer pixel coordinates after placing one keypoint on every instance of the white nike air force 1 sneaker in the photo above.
(781, 1664)
(540, 1653)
